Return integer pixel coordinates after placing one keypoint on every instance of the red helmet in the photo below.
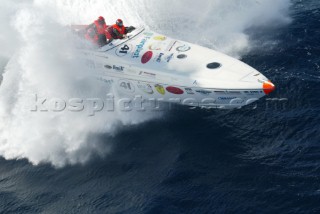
(101, 20)
(119, 22)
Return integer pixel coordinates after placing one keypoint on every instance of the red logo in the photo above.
(174, 90)
(146, 57)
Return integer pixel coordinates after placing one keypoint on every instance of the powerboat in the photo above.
(153, 66)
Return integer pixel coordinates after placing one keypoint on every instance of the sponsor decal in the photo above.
(214, 65)
(118, 68)
(155, 47)
(169, 58)
(171, 45)
(108, 66)
(183, 48)
(160, 38)
(104, 57)
(226, 98)
(253, 92)
(236, 101)
(139, 47)
(123, 50)
(160, 89)
(159, 57)
(108, 82)
(147, 74)
(234, 92)
(145, 88)
(149, 34)
(126, 86)
(189, 91)
(204, 92)
(220, 92)
(182, 56)
(114, 67)
(146, 57)
(174, 90)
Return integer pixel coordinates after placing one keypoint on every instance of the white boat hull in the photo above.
(155, 67)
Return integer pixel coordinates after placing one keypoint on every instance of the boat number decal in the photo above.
(123, 50)
(126, 86)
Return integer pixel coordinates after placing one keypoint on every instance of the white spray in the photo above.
(44, 62)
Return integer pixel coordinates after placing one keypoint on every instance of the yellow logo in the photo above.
(160, 38)
(160, 89)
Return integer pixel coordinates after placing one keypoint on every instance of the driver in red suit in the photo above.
(96, 32)
(117, 31)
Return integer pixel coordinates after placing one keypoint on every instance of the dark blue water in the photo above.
(259, 159)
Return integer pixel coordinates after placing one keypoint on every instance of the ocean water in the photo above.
(263, 158)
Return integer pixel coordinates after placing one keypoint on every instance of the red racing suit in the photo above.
(96, 31)
(116, 32)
